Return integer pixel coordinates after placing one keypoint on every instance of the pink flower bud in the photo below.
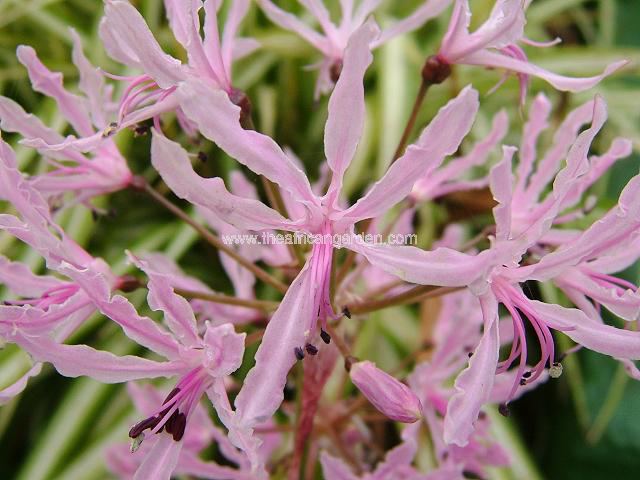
(390, 396)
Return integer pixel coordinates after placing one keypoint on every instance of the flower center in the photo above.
(175, 409)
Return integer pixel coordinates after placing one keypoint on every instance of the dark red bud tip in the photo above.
(311, 349)
(349, 361)
(346, 312)
(335, 71)
(128, 283)
(503, 408)
(239, 98)
(299, 353)
(326, 338)
(435, 70)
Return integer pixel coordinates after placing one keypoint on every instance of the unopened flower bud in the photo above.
(435, 70)
(388, 395)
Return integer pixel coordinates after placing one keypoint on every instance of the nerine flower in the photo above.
(103, 171)
(293, 328)
(128, 40)
(451, 177)
(456, 331)
(199, 436)
(47, 305)
(199, 361)
(498, 272)
(332, 41)
(495, 44)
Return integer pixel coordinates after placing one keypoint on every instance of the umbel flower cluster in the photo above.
(492, 340)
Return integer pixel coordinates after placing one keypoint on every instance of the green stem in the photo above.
(609, 407)
(211, 238)
(417, 104)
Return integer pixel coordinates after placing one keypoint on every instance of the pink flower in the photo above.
(306, 305)
(496, 273)
(200, 434)
(201, 362)
(103, 171)
(333, 40)
(50, 306)
(128, 40)
(388, 395)
(495, 44)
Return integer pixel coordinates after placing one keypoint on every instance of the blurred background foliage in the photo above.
(585, 425)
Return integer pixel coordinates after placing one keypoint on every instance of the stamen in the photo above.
(311, 349)
(110, 130)
(299, 353)
(136, 442)
(326, 338)
(346, 312)
(556, 370)
(179, 425)
(503, 408)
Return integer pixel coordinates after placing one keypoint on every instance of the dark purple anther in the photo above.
(179, 424)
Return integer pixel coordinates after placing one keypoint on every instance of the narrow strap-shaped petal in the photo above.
(178, 14)
(131, 33)
(599, 165)
(564, 137)
(290, 22)
(49, 83)
(501, 181)
(610, 232)
(177, 312)
(346, 106)
(174, 165)
(473, 386)
(448, 178)
(91, 83)
(84, 361)
(567, 84)
(430, 9)
(17, 387)
(566, 179)
(321, 14)
(536, 124)
(440, 138)
(625, 304)
(161, 460)
(443, 267)
(263, 388)
(237, 12)
(591, 334)
(19, 278)
(219, 120)
(504, 26)
(140, 329)
(13, 118)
